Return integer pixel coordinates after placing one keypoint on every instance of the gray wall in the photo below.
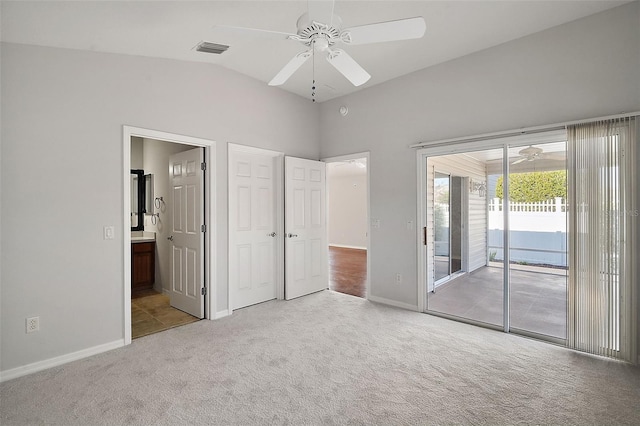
(347, 205)
(586, 68)
(62, 165)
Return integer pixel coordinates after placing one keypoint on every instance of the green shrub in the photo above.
(534, 187)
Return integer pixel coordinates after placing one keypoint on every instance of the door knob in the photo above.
(170, 238)
(273, 234)
(290, 235)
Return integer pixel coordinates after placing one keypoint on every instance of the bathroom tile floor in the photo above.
(152, 313)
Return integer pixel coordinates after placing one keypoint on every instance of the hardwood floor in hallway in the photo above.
(348, 271)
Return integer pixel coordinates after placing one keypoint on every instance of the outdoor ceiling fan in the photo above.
(319, 30)
(532, 153)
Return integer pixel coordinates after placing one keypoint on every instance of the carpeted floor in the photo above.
(328, 358)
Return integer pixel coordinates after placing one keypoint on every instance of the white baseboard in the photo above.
(59, 360)
(395, 303)
(221, 314)
(346, 246)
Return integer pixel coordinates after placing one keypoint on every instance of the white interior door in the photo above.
(187, 237)
(306, 251)
(252, 227)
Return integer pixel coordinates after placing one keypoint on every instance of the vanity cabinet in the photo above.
(143, 265)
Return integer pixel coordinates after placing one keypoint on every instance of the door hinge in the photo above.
(424, 235)
(203, 291)
(203, 166)
(203, 228)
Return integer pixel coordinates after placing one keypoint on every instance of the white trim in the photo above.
(421, 224)
(356, 156)
(59, 360)
(393, 303)
(210, 261)
(221, 314)
(346, 246)
(280, 255)
(278, 186)
(522, 131)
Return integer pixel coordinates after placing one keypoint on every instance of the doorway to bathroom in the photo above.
(167, 274)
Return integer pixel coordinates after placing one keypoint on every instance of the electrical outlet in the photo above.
(398, 278)
(33, 324)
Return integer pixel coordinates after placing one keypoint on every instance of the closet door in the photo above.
(306, 250)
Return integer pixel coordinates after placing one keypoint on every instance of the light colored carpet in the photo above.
(328, 358)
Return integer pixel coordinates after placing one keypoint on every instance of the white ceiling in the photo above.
(172, 29)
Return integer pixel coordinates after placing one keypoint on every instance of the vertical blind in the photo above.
(603, 211)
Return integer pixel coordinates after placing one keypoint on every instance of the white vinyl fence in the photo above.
(538, 232)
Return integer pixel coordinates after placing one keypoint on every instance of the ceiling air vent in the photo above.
(207, 47)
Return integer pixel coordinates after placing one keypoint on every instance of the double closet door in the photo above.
(277, 226)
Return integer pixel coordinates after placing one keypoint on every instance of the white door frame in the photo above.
(356, 156)
(210, 267)
(279, 205)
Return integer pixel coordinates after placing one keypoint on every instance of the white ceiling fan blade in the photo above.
(321, 11)
(521, 160)
(291, 67)
(348, 67)
(403, 29)
(250, 32)
(559, 156)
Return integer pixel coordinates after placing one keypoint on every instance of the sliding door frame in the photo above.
(447, 148)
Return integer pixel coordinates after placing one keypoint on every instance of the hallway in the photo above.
(348, 271)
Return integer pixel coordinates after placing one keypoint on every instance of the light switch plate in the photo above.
(109, 232)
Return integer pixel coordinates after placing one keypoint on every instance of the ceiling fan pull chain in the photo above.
(313, 77)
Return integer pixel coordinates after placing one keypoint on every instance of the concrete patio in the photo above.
(538, 298)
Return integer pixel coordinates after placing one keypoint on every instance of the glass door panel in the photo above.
(441, 260)
(464, 272)
(538, 239)
(456, 229)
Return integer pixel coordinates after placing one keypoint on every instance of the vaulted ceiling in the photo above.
(172, 29)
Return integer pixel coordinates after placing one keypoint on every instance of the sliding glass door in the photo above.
(448, 225)
(537, 230)
(505, 265)
(442, 234)
(547, 234)
(465, 278)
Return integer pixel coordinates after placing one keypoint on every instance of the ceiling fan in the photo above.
(532, 153)
(319, 30)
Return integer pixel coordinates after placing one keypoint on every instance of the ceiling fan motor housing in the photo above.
(312, 33)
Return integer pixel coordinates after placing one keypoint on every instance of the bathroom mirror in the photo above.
(148, 193)
(137, 200)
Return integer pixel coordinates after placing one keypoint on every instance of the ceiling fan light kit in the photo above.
(320, 30)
